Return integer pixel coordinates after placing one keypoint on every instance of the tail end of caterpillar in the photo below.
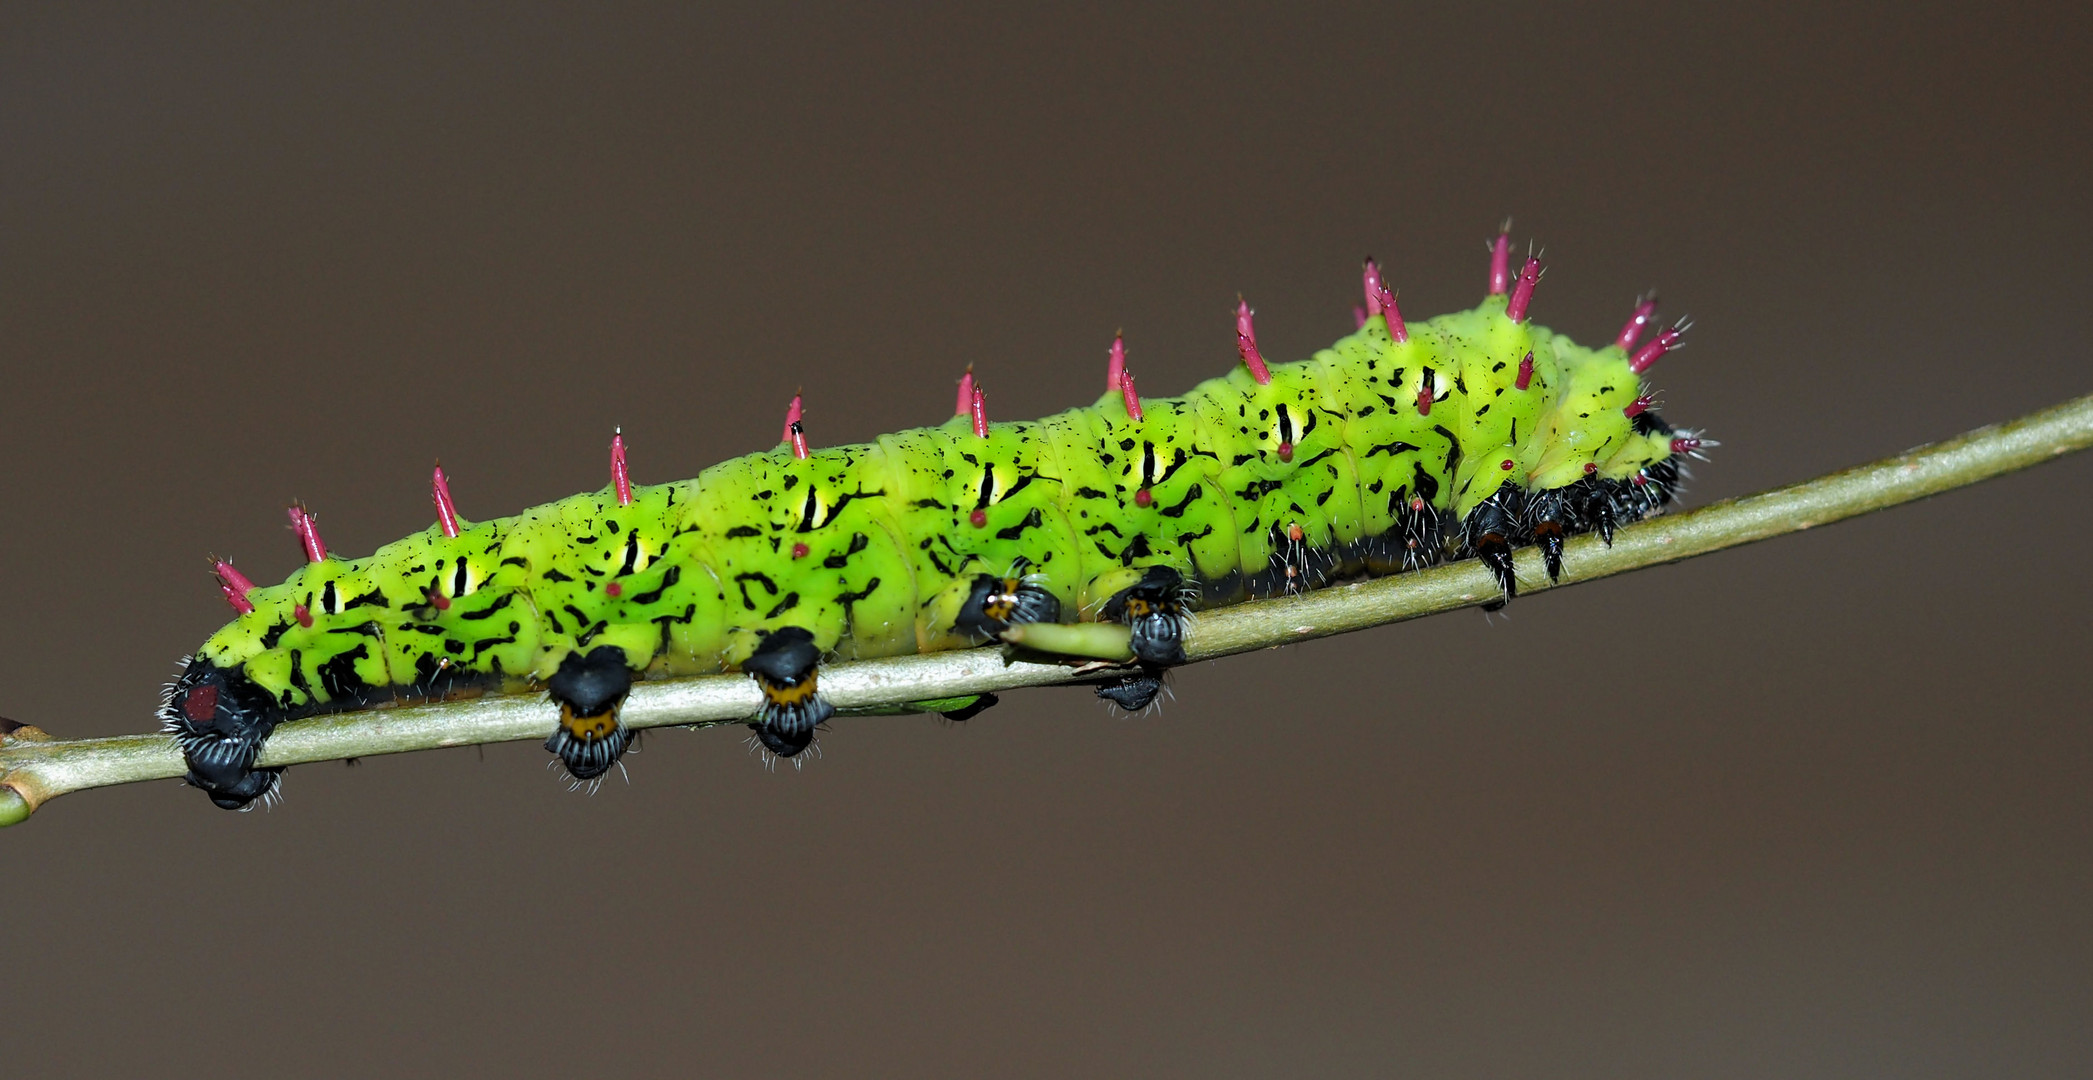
(219, 717)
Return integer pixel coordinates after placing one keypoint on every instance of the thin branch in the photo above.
(35, 768)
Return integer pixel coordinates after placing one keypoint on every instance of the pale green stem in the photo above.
(35, 768)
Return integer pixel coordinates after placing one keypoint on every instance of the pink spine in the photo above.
(1126, 391)
(1631, 331)
(1654, 351)
(1246, 343)
(620, 477)
(308, 531)
(1522, 292)
(795, 432)
(234, 585)
(978, 408)
(1115, 365)
(962, 405)
(446, 511)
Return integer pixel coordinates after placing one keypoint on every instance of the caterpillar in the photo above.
(1400, 446)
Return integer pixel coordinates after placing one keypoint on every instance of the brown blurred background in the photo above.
(1814, 808)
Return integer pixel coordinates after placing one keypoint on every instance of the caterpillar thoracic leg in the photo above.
(785, 667)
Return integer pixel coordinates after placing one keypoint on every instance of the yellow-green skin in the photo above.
(703, 568)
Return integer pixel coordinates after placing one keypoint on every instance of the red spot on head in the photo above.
(1286, 451)
(201, 704)
(1424, 402)
(1506, 464)
(978, 519)
(613, 589)
(1143, 499)
(1525, 372)
(443, 603)
(1591, 467)
(304, 615)
(799, 551)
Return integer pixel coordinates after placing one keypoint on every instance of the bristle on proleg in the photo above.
(1631, 331)
(308, 529)
(620, 477)
(1246, 343)
(446, 511)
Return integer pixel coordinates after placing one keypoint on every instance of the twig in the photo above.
(35, 768)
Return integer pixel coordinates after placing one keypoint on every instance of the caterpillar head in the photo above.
(219, 717)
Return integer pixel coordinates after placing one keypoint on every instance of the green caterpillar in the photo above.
(1399, 446)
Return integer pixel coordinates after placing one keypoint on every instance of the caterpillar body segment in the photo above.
(1400, 446)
